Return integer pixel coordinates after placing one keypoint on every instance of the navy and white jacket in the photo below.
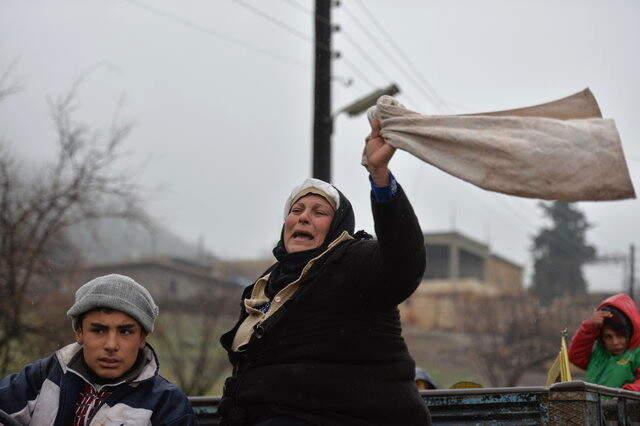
(45, 393)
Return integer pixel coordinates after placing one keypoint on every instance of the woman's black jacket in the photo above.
(334, 353)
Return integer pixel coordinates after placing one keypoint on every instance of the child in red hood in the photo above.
(614, 360)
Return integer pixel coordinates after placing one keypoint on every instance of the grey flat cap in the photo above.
(117, 292)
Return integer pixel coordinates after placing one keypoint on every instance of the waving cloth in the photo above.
(563, 150)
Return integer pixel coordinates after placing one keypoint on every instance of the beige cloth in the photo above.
(562, 150)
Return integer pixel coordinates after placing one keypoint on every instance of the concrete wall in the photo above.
(504, 275)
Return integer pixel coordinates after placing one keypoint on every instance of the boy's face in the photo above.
(111, 342)
(615, 343)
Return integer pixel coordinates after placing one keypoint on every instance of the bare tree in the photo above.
(83, 183)
(8, 84)
(187, 336)
(512, 335)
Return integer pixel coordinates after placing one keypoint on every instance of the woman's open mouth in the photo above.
(302, 236)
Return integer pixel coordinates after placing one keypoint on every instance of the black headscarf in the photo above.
(290, 265)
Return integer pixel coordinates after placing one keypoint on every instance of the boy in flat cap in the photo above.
(109, 376)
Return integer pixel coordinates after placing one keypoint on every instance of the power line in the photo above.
(404, 56)
(276, 21)
(379, 27)
(359, 73)
(522, 218)
(355, 44)
(363, 52)
(301, 35)
(282, 24)
(417, 182)
(217, 34)
(372, 62)
(375, 65)
(429, 97)
(303, 9)
(528, 223)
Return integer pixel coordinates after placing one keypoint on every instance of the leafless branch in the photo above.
(8, 85)
(512, 335)
(85, 182)
(195, 359)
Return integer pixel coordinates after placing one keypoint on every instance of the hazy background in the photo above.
(222, 101)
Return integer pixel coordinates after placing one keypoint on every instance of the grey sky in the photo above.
(224, 132)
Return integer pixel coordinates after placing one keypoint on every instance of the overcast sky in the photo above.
(222, 101)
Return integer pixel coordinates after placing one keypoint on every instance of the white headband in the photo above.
(310, 183)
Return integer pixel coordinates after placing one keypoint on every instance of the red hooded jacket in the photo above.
(582, 342)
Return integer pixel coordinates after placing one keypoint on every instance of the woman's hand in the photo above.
(598, 317)
(376, 155)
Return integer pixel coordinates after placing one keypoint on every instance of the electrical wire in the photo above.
(282, 25)
(355, 44)
(431, 99)
(290, 61)
(219, 35)
(372, 62)
(304, 9)
(276, 21)
(529, 224)
(376, 66)
(192, 25)
(380, 28)
(558, 238)
(357, 72)
(532, 227)
(300, 35)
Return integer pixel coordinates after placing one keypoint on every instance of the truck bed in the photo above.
(568, 403)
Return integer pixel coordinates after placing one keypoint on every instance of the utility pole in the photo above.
(323, 116)
(632, 269)
(322, 120)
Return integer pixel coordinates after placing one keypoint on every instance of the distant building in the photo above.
(244, 272)
(454, 257)
(458, 269)
(170, 280)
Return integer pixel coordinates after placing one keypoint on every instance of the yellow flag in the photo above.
(559, 371)
(465, 385)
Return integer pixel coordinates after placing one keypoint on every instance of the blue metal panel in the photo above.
(488, 406)
(563, 403)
